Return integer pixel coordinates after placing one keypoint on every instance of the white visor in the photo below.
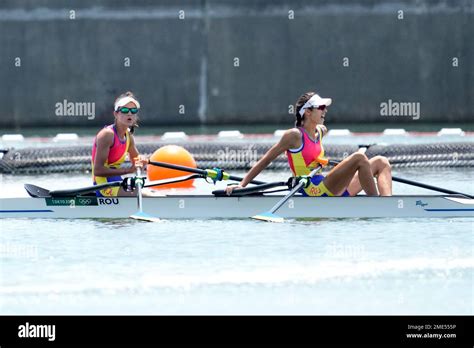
(124, 101)
(314, 102)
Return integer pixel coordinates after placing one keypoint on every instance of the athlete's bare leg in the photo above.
(341, 176)
(382, 171)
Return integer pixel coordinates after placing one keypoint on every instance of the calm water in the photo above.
(350, 266)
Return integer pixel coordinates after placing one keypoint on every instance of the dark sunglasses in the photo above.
(321, 107)
(125, 110)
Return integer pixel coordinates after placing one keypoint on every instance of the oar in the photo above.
(173, 180)
(248, 190)
(141, 215)
(216, 175)
(40, 192)
(270, 215)
(83, 190)
(419, 184)
(430, 187)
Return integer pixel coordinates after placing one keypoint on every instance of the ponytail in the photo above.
(132, 128)
(299, 104)
(299, 120)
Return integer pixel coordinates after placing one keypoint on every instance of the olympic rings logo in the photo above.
(85, 201)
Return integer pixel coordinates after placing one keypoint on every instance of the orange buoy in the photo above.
(171, 154)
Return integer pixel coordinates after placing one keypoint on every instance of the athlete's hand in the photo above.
(140, 161)
(232, 187)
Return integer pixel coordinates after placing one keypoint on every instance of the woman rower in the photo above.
(303, 147)
(113, 143)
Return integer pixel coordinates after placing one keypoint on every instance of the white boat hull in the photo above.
(211, 207)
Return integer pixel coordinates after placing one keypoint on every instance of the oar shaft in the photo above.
(284, 200)
(429, 187)
(197, 171)
(293, 191)
(419, 184)
(178, 167)
(248, 190)
(238, 178)
(81, 191)
(171, 181)
(139, 190)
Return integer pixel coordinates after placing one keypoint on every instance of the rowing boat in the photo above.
(243, 203)
(212, 207)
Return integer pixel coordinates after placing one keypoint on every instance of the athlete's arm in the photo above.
(104, 140)
(134, 154)
(291, 139)
(132, 149)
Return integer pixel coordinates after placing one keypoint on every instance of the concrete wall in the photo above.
(191, 62)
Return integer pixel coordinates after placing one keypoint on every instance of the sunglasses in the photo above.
(125, 110)
(320, 107)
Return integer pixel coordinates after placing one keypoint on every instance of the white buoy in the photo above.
(65, 137)
(13, 137)
(339, 132)
(279, 133)
(395, 132)
(451, 131)
(174, 136)
(231, 134)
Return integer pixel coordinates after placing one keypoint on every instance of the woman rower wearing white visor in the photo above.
(303, 147)
(113, 143)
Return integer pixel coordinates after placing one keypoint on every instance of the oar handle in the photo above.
(206, 172)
